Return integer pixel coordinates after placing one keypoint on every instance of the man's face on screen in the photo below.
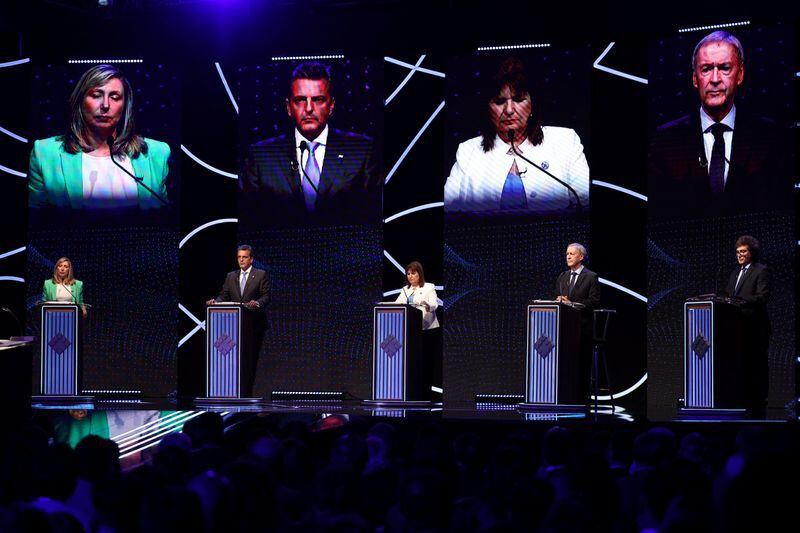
(310, 104)
(510, 111)
(717, 76)
(103, 106)
(244, 258)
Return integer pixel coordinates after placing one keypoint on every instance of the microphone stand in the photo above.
(511, 135)
(138, 180)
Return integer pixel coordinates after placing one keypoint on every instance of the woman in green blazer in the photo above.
(63, 286)
(76, 170)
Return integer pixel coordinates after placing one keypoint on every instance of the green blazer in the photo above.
(49, 291)
(55, 177)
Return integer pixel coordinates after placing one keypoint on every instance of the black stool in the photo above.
(600, 321)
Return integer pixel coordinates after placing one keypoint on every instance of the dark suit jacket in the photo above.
(586, 291)
(754, 289)
(256, 288)
(759, 176)
(350, 184)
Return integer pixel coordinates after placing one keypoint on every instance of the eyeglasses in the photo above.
(742, 252)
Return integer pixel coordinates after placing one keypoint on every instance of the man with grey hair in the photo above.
(718, 159)
(579, 285)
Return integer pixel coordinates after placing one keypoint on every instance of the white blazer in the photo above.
(426, 293)
(476, 181)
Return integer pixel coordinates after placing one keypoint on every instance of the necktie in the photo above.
(513, 196)
(573, 279)
(312, 174)
(739, 280)
(716, 169)
(242, 281)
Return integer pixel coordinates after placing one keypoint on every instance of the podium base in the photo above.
(400, 403)
(551, 407)
(66, 401)
(705, 413)
(222, 402)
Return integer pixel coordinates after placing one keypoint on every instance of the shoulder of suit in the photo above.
(281, 141)
(156, 148)
(559, 134)
(347, 136)
(589, 272)
(51, 143)
(429, 285)
(674, 125)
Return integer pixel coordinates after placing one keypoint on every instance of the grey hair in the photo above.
(719, 36)
(581, 248)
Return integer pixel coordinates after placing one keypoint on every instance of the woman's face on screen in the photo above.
(103, 106)
(510, 111)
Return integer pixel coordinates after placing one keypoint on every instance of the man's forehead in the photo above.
(309, 87)
(718, 51)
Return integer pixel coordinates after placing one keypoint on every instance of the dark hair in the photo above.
(311, 70)
(511, 73)
(245, 248)
(751, 243)
(126, 141)
(416, 266)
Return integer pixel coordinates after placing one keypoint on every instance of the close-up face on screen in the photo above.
(102, 193)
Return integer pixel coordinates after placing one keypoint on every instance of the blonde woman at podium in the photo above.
(63, 287)
(420, 294)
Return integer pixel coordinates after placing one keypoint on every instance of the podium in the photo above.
(60, 348)
(552, 357)
(230, 354)
(713, 355)
(398, 370)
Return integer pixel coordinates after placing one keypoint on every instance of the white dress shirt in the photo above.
(105, 184)
(708, 138)
(319, 153)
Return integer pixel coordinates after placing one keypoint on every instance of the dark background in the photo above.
(195, 34)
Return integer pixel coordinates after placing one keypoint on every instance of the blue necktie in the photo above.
(312, 174)
(242, 281)
(716, 168)
(513, 196)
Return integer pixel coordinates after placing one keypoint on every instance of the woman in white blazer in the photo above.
(420, 294)
(423, 295)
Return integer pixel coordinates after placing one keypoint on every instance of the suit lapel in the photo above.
(742, 142)
(141, 169)
(330, 165)
(72, 174)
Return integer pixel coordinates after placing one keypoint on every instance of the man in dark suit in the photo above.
(718, 160)
(317, 175)
(750, 282)
(579, 285)
(249, 286)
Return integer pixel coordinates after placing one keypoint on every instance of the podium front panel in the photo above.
(699, 354)
(223, 347)
(59, 350)
(541, 368)
(389, 353)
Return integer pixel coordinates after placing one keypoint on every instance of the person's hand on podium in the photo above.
(252, 304)
(212, 301)
(84, 312)
(563, 299)
(426, 305)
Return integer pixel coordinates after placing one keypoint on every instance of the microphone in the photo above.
(303, 148)
(511, 135)
(138, 180)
